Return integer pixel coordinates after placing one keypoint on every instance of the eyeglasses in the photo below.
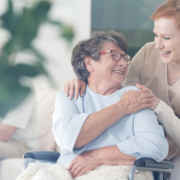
(116, 55)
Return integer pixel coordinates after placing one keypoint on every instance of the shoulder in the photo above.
(61, 97)
(61, 93)
(150, 49)
(63, 101)
(150, 45)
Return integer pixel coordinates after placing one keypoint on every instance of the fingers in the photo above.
(76, 93)
(82, 90)
(66, 88)
(74, 86)
(71, 165)
(81, 172)
(141, 86)
(75, 171)
(75, 168)
(148, 100)
(147, 95)
(146, 105)
(71, 90)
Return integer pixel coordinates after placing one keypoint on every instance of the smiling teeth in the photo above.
(165, 52)
(118, 71)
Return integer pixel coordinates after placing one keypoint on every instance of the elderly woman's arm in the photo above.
(89, 160)
(97, 122)
(81, 128)
(148, 141)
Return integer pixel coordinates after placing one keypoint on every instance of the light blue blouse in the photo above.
(138, 134)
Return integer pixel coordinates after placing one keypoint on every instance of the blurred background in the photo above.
(81, 17)
(131, 18)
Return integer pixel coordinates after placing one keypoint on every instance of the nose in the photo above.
(158, 43)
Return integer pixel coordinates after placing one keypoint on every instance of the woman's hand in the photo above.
(133, 101)
(153, 102)
(83, 163)
(74, 86)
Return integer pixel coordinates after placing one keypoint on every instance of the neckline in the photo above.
(167, 79)
(89, 89)
(173, 84)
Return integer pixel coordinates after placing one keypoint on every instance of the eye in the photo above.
(115, 57)
(166, 38)
(155, 35)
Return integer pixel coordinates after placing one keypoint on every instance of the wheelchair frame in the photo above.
(161, 169)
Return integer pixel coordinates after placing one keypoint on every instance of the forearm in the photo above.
(111, 155)
(99, 121)
(169, 121)
(96, 123)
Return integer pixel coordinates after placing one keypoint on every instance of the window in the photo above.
(130, 17)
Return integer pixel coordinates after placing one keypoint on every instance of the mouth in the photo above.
(119, 72)
(165, 53)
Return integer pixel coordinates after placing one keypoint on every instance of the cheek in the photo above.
(125, 72)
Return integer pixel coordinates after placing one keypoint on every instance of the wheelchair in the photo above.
(161, 170)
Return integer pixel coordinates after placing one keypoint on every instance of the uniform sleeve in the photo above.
(20, 116)
(148, 139)
(169, 121)
(67, 123)
(133, 75)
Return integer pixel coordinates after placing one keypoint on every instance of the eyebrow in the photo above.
(162, 34)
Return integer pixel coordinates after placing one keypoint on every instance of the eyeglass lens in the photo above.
(117, 56)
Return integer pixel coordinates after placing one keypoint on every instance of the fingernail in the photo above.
(81, 95)
(75, 98)
(66, 95)
(69, 97)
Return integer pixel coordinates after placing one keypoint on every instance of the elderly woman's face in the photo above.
(109, 70)
(167, 40)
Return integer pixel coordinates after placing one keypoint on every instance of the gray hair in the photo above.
(91, 48)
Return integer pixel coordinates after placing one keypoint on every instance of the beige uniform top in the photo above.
(147, 69)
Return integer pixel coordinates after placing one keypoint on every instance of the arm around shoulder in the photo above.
(169, 121)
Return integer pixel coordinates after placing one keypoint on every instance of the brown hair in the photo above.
(92, 47)
(168, 9)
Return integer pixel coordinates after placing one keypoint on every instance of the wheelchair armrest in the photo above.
(151, 163)
(42, 155)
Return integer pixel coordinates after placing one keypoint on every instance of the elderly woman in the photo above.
(107, 125)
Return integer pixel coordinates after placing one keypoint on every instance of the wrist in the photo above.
(121, 111)
(96, 154)
(156, 104)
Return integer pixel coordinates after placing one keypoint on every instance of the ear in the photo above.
(89, 64)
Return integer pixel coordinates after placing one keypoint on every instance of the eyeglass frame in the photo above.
(121, 55)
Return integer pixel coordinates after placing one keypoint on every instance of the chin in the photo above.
(119, 82)
(166, 61)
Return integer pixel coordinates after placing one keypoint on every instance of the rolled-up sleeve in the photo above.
(148, 139)
(67, 123)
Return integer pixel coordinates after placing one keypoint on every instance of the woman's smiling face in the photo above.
(167, 40)
(109, 70)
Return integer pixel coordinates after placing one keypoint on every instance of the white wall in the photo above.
(76, 13)
(57, 51)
